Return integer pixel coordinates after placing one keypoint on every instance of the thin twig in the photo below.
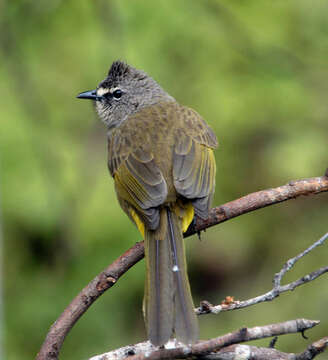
(106, 279)
(277, 289)
(291, 262)
(146, 351)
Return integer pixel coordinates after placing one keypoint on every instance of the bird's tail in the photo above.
(168, 303)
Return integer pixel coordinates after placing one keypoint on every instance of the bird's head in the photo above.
(123, 92)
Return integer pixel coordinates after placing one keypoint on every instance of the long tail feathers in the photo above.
(186, 325)
(159, 310)
(168, 302)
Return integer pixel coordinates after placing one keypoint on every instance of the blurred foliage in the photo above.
(256, 71)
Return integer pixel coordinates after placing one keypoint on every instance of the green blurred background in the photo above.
(256, 71)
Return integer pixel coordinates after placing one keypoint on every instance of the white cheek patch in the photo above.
(102, 112)
(102, 91)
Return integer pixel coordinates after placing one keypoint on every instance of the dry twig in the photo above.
(203, 349)
(106, 279)
(277, 289)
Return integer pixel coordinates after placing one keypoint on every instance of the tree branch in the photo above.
(247, 352)
(205, 349)
(259, 200)
(80, 304)
(107, 278)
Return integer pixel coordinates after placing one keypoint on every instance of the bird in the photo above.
(161, 157)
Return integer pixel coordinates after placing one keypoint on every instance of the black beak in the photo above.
(92, 94)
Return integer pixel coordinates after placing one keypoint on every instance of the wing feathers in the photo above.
(136, 157)
(194, 176)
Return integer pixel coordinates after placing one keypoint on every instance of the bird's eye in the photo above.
(117, 93)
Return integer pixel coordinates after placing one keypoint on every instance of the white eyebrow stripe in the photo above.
(114, 89)
(102, 91)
